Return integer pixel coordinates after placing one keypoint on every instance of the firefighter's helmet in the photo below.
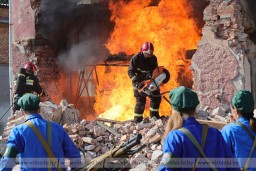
(147, 48)
(30, 67)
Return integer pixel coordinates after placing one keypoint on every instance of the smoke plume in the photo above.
(76, 31)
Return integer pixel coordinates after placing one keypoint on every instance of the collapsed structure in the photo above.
(95, 138)
(223, 63)
(224, 60)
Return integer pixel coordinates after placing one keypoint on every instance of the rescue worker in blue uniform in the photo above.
(141, 67)
(25, 143)
(241, 135)
(26, 82)
(184, 137)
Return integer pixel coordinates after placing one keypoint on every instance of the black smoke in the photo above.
(77, 32)
(249, 7)
(198, 7)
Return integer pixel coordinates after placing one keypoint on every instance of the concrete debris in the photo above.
(49, 111)
(217, 111)
(95, 138)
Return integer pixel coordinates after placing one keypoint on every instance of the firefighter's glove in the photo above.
(136, 85)
(135, 79)
(22, 72)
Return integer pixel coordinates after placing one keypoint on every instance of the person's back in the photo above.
(185, 148)
(240, 136)
(178, 144)
(30, 146)
(239, 141)
(188, 142)
(25, 142)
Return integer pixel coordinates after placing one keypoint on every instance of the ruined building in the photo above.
(70, 42)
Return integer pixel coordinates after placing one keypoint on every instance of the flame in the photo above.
(168, 26)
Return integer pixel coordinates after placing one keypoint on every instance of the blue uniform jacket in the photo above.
(30, 149)
(240, 142)
(177, 145)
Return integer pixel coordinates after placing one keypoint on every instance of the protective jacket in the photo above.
(139, 69)
(32, 155)
(180, 153)
(239, 141)
(25, 83)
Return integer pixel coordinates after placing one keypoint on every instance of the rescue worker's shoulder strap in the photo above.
(203, 140)
(45, 144)
(253, 145)
(197, 145)
(247, 130)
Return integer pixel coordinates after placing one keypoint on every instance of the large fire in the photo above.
(172, 31)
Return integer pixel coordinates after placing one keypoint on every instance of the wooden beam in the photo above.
(218, 125)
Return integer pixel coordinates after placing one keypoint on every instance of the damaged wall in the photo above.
(27, 46)
(59, 40)
(224, 59)
(56, 36)
(249, 7)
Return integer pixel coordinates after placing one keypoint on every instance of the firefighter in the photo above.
(141, 67)
(26, 82)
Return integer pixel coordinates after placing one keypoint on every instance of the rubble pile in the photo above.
(13, 121)
(219, 114)
(62, 114)
(95, 138)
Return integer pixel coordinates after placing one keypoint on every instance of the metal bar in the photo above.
(86, 87)
(86, 82)
(79, 87)
(81, 90)
(97, 78)
(165, 98)
(10, 53)
(4, 20)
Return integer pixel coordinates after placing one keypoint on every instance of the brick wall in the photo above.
(4, 12)
(4, 37)
(29, 45)
(221, 63)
